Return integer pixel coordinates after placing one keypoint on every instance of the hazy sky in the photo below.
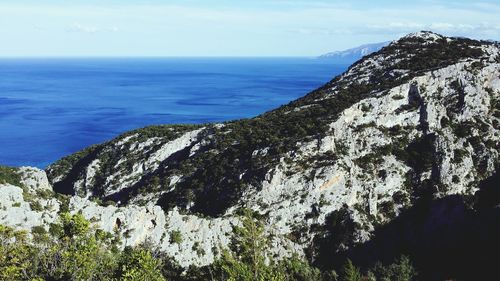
(228, 28)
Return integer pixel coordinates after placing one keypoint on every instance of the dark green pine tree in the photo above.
(350, 272)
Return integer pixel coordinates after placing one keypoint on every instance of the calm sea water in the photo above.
(50, 108)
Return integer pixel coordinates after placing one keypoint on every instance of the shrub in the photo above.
(38, 230)
(78, 252)
(176, 237)
(139, 264)
(36, 206)
(401, 270)
(459, 154)
(10, 175)
(45, 193)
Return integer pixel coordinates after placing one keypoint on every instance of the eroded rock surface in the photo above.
(418, 118)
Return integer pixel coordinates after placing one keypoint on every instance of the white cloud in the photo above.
(282, 27)
(447, 28)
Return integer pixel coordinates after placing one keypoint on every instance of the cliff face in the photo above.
(418, 119)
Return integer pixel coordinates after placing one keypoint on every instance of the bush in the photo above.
(45, 193)
(79, 252)
(75, 252)
(176, 237)
(459, 155)
(10, 175)
(14, 257)
(400, 270)
(38, 230)
(139, 264)
(36, 206)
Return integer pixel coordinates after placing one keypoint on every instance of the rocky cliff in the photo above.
(418, 119)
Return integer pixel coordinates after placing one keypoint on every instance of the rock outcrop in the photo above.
(418, 118)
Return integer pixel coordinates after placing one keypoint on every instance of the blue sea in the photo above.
(50, 108)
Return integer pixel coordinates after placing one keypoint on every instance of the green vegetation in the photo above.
(165, 131)
(440, 53)
(64, 165)
(398, 97)
(176, 237)
(10, 175)
(400, 270)
(249, 259)
(387, 208)
(75, 251)
(369, 161)
(351, 272)
(139, 264)
(70, 166)
(246, 260)
(36, 206)
(217, 174)
(459, 154)
(366, 107)
(418, 154)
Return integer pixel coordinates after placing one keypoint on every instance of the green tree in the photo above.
(77, 251)
(81, 253)
(400, 270)
(75, 225)
(250, 243)
(246, 259)
(350, 272)
(14, 257)
(300, 270)
(139, 264)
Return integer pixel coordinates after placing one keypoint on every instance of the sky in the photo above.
(94, 28)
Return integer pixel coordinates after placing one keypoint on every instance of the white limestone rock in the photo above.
(352, 164)
(34, 179)
(18, 213)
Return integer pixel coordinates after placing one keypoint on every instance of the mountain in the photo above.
(354, 54)
(398, 155)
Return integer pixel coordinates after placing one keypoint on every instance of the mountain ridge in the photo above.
(415, 121)
(353, 54)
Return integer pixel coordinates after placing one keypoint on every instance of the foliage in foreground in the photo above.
(73, 250)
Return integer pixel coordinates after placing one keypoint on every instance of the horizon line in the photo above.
(150, 57)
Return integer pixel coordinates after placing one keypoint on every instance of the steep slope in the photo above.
(418, 119)
(411, 85)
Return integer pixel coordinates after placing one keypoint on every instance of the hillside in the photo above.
(401, 147)
(353, 54)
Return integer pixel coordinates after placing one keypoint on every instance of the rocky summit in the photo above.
(399, 153)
